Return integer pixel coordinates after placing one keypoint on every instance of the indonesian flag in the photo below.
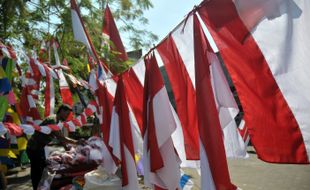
(110, 32)
(161, 163)
(79, 30)
(122, 139)
(265, 47)
(214, 169)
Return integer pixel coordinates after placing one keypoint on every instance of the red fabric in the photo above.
(106, 102)
(83, 119)
(77, 122)
(152, 84)
(13, 129)
(110, 29)
(184, 94)
(208, 121)
(272, 126)
(121, 108)
(134, 94)
(54, 127)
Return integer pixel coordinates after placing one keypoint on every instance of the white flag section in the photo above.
(289, 64)
(161, 163)
(227, 109)
(79, 31)
(122, 139)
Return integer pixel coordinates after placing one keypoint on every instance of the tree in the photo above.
(27, 22)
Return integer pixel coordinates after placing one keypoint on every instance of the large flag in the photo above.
(161, 162)
(214, 169)
(110, 32)
(265, 47)
(122, 138)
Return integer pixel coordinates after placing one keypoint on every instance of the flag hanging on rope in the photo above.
(122, 138)
(161, 162)
(214, 169)
(264, 45)
(111, 34)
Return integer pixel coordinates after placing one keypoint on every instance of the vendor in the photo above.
(37, 142)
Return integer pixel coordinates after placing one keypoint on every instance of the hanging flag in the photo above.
(49, 102)
(214, 169)
(122, 138)
(79, 30)
(184, 94)
(111, 34)
(161, 163)
(264, 45)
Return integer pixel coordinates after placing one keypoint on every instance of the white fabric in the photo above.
(71, 126)
(287, 35)
(3, 129)
(62, 79)
(167, 177)
(184, 41)
(138, 141)
(28, 129)
(78, 30)
(31, 102)
(57, 60)
(92, 80)
(131, 172)
(108, 163)
(178, 142)
(139, 69)
(114, 140)
(227, 109)
(207, 182)
(45, 130)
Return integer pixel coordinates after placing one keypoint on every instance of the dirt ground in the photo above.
(247, 174)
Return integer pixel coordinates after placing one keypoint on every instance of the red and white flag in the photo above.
(122, 139)
(110, 32)
(79, 30)
(214, 169)
(161, 162)
(264, 45)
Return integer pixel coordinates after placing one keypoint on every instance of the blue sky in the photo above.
(165, 15)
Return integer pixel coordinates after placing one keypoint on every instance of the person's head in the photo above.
(63, 112)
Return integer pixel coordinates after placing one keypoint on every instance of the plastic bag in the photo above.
(46, 180)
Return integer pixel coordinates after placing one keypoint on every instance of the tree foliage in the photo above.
(28, 22)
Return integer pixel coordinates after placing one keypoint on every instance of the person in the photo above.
(37, 142)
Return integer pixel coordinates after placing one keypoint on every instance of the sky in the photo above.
(165, 15)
